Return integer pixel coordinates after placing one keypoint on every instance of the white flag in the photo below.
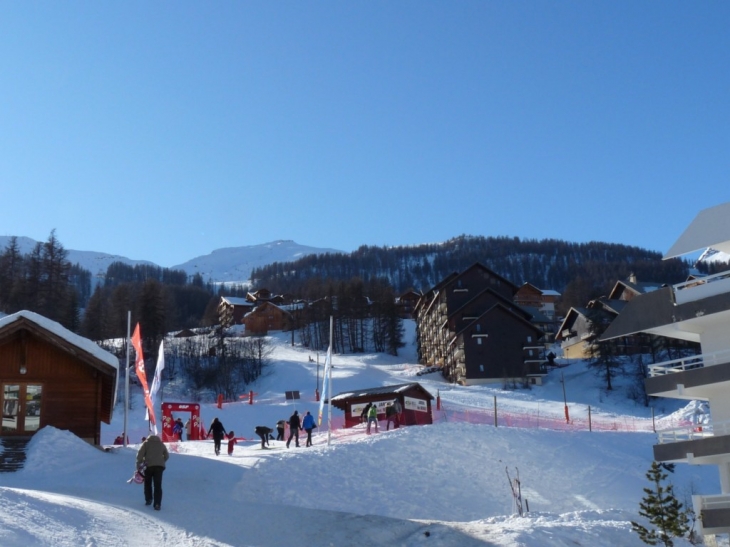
(158, 374)
(327, 365)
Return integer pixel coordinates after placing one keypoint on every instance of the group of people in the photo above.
(296, 424)
(393, 411)
(153, 454)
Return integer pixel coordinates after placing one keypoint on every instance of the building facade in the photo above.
(695, 311)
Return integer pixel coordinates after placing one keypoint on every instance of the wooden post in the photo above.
(590, 428)
(653, 424)
(495, 411)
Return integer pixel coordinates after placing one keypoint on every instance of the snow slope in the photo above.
(444, 484)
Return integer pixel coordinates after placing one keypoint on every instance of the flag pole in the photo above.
(126, 380)
(329, 391)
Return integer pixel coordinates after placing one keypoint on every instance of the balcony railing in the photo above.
(697, 289)
(689, 363)
(721, 501)
(693, 432)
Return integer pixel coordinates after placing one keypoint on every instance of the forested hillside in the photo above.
(547, 264)
(44, 281)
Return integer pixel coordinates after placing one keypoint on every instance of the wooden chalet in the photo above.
(51, 376)
(576, 334)
(267, 317)
(414, 399)
(478, 298)
(529, 296)
(499, 345)
(231, 310)
(406, 303)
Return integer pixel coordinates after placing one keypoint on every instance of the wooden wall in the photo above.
(71, 396)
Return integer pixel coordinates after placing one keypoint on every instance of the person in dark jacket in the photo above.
(308, 424)
(364, 413)
(177, 429)
(218, 431)
(295, 425)
(280, 425)
(263, 432)
(153, 453)
(391, 415)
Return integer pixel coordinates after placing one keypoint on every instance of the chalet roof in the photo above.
(537, 315)
(236, 301)
(429, 296)
(384, 390)
(570, 317)
(710, 228)
(507, 302)
(529, 286)
(636, 287)
(263, 306)
(494, 308)
(491, 272)
(35, 321)
(608, 304)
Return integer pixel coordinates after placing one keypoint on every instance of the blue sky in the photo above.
(165, 130)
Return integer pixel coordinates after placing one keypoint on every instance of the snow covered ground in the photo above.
(439, 485)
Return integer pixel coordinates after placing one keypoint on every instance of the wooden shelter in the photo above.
(414, 399)
(51, 376)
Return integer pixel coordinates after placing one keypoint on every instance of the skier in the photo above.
(294, 428)
(263, 432)
(373, 418)
(218, 432)
(153, 453)
(308, 425)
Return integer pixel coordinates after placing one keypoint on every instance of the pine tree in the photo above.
(662, 509)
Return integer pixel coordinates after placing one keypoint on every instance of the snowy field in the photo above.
(439, 485)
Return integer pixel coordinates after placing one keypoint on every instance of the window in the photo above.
(21, 404)
(481, 367)
(529, 338)
(479, 341)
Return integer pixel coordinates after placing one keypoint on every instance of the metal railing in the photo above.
(720, 501)
(689, 363)
(697, 289)
(691, 432)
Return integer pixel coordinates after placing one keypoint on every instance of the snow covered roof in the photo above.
(62, 332)
(237, 301)
(384, 390)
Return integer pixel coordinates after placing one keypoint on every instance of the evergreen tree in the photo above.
(603, 354)
(662, 509)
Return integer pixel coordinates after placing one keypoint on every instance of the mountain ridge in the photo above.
(227, 264)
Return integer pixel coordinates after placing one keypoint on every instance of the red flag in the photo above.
(139, 369)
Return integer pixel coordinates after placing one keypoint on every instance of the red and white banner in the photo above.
(139, 369)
